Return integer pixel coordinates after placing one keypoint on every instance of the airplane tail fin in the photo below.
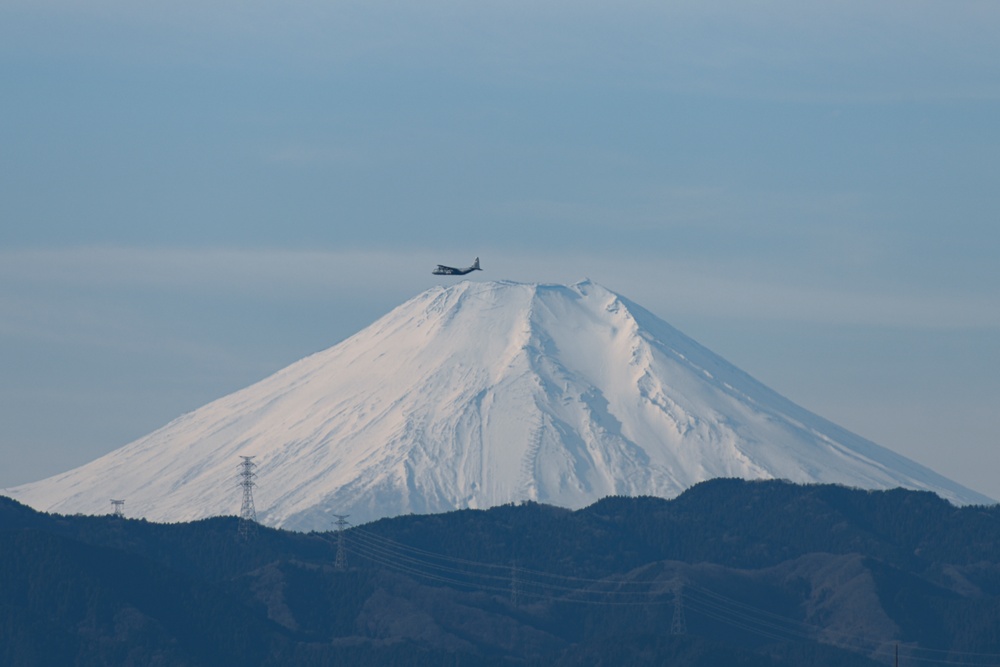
(475, 264)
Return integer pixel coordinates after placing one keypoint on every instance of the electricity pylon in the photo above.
(678, 626)
(248, 515)
(341, 563)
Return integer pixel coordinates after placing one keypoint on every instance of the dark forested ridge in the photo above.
(730, 573)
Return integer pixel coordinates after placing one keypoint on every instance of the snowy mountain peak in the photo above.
(478, 394)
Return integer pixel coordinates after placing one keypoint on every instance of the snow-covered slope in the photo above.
(474, 395)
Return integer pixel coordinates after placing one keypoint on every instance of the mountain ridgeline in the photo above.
(731, 572)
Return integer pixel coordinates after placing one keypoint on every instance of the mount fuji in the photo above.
(474, 395)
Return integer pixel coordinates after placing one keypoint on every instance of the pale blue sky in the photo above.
(193, 195)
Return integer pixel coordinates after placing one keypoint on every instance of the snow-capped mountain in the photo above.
(475, 395)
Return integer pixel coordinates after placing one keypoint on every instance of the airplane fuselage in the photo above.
(443, 270)
(452, 271)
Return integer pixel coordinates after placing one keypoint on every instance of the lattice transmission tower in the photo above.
(341, 563)
(678, 626)
(118, 508)
(515, 585)
(248, 515)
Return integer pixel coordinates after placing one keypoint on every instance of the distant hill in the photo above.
(473, 396)
(729, 573)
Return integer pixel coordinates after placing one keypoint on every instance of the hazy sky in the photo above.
(193, 195)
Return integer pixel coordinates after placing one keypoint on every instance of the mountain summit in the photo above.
(475, 395)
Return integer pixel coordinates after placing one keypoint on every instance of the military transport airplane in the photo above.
(443, 270)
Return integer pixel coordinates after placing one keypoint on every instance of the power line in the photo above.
(460, 573)
(543, 579)
(517, 582)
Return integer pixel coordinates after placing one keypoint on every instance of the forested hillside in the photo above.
(731, 572)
